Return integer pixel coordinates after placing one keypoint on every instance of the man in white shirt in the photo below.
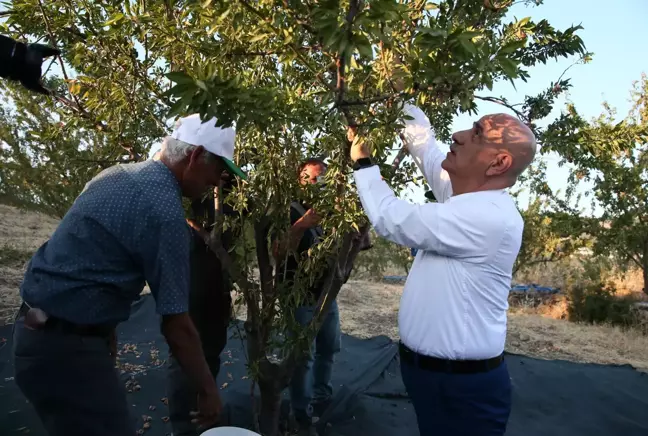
(452, 319)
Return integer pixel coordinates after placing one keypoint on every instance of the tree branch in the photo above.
(505, 103)
(104, 161)
(376, 99)
(306, 48)
(401, 153)
(54, 44)
(354, 8)
(292, 47)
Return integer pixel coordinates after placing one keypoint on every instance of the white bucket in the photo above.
(229, 431)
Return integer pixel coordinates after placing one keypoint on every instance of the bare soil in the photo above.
(367, 308)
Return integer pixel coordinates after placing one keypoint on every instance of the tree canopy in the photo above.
(292, 76)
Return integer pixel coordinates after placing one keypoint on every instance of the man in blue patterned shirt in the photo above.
(126, 228)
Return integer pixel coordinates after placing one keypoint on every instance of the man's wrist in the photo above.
(363, 162)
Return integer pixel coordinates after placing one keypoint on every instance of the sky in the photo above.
(615, 31)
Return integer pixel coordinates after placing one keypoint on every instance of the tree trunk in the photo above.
(270, 411)
(644, 266)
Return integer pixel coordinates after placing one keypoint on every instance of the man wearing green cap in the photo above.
(210, 286)
(126, 228)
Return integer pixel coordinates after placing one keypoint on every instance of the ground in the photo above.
(367, 308)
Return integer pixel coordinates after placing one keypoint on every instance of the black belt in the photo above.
(61, 325)
(452, 366)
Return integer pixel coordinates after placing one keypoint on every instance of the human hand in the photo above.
(209, 408)
(204, 234)
(309, 220)
(358, 148)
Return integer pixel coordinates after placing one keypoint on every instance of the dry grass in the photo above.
(371, 308)
(560, 274)
(21, 233)
(548, 338)
(24, 230)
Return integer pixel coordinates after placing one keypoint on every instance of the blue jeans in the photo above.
(311, 381)
(449, 404)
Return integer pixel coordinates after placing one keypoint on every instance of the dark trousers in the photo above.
(72, 383)
(209, 308)
(448, 404)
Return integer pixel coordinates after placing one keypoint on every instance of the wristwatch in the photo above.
(363, 162)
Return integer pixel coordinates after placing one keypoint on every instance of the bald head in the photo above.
(490, 155)
(513, 136)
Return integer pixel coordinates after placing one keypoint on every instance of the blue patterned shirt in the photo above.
(126, 228)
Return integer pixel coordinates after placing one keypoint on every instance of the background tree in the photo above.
(293, 76)
(549, 236)
(612, 156)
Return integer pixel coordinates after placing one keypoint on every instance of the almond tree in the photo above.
(298, 78)
(612, 156)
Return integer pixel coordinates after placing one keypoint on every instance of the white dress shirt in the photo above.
(456, 295)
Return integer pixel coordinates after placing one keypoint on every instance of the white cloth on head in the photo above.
(456, 295)
(216, 140)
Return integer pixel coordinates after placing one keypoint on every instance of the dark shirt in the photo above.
(126, 227)
(288, 269)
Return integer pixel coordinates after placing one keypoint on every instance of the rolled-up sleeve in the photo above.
(165, 254)
(448, 229)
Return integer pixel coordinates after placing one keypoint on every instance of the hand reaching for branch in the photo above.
(358, 148)
(199, 229)
(309, 220)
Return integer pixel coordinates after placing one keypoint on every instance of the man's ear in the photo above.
(196, 154)
(500, 164)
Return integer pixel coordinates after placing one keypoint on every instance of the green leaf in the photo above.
(201, 85)
(468, 34)
(488, 81)
(114, 19)
(513, 46)
(364, 46)
(430, 6)
(176, 109)
(508, 66)
(432, 32)
(468, 45)
(523, 21)
(259, 37)
(179, 77)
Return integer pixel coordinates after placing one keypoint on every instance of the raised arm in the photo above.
(452, 229)
(423, 148)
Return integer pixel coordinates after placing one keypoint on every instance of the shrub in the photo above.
(597, 302)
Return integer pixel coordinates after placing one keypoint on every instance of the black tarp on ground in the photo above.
(550, 397)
